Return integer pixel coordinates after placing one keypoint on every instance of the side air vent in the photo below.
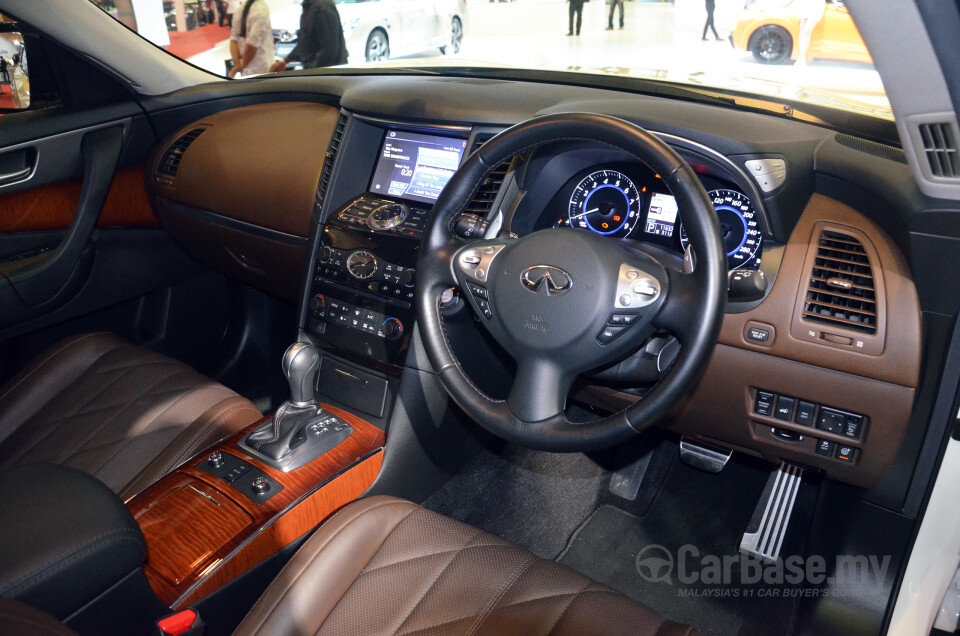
(884, 151)
(841, 289)
(487, 192)
(328, 160)
(170, 161)
(940, 147)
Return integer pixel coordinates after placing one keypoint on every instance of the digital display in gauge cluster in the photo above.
(609, 202)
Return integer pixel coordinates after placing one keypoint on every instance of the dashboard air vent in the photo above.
(170, 162)
(940, 146)
(328, 160)
(841, 288)
(487, 192)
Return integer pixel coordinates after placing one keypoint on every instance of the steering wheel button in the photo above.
(609, 334)
(626, 300)
(644, 288)
(633, 274)
(481, 273)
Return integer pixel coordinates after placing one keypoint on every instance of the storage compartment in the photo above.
(352, 386)
(192, 520)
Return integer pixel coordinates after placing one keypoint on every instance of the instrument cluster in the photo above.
(631, 201)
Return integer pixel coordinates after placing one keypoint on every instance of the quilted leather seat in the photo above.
(122, 413)
(387, 566)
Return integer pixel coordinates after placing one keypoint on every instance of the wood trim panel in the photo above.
(52, 207)
(310, 494)
(259, 164)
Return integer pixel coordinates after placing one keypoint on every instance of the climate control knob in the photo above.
(392, 328)
(317, 305)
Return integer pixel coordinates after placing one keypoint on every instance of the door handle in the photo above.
(17, 175)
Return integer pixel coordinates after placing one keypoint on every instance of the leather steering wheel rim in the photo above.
(692, 307)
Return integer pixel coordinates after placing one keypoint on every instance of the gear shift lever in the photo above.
(301, 362)
(277, 438)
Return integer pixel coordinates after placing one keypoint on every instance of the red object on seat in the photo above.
(178, 623)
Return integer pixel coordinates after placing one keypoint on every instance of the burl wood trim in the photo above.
(310, 494)
(52, 207)
(259, 164)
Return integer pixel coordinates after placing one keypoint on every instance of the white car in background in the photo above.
(376, 30)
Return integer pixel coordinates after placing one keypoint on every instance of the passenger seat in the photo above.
(122, 413)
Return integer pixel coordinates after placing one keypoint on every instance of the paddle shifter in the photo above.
(300, 431)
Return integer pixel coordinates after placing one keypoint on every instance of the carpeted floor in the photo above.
(558, 506)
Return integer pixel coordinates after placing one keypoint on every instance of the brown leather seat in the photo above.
(387, 566)
(122, 413)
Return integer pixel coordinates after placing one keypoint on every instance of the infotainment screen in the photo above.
(414, 166)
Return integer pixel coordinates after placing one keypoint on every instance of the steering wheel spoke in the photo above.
(539, 390)
(680, 313)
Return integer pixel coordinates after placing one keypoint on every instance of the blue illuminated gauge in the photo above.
(738, 226)
(605, 202)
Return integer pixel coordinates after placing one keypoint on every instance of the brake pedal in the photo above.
(768, 525)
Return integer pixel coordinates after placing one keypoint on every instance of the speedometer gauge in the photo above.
(738, 227)
(605, 202)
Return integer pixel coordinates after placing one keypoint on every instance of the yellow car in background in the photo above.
(770, 30)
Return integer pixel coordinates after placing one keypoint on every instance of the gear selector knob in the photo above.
(301, 362)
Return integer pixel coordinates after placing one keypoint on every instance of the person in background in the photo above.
(251, 40)
(810, 12)
(711, 7)
(576, 8)
(231, 9)
(613, 5)
(221, 12)
(320, 38)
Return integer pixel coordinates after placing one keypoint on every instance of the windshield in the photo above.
(805, 51)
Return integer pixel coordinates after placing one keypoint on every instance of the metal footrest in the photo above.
(768, 525)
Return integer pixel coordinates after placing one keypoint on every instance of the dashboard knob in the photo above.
(392, 328)
(388, 216)
(317, 304)
(407, 278)
(215, 460)
(260, 485)
(324, 255)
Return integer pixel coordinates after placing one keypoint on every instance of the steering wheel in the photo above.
(564, 302)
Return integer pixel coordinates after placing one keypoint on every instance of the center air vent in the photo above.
(170, 161)
(328, 160)
(487, 192)
(841, 288)
(940, 147)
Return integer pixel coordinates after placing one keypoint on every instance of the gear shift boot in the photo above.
(295, 436)
(300, 431)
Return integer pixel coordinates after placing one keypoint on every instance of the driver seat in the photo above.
(387, 566)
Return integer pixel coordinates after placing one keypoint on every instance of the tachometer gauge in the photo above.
(738, 227)
(605, 202)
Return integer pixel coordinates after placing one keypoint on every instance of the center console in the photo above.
(363, 277)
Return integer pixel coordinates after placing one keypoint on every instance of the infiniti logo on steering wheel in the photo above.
(553, 279)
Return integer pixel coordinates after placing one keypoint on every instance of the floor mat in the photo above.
(695, 514)
(533, 499)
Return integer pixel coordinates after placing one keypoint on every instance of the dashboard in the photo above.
(817, 288)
